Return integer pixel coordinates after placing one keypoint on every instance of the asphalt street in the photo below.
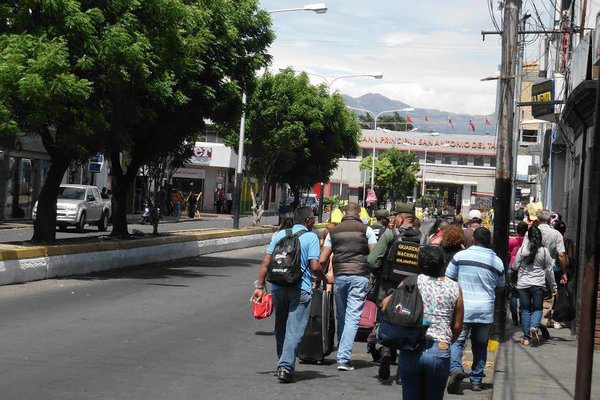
(180, 330)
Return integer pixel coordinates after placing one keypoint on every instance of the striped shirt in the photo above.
(479, 271)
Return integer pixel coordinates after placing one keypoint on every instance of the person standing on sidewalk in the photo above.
(480, 275)
(534, 265)
(425, 370)
(350, 242)
(292, 303)
(553, 241)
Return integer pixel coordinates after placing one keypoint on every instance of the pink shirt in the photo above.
(514, 244)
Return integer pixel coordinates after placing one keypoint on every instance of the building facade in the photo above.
(459, 167)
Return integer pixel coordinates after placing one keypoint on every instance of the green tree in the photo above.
(295, 132)
(395, 173)
(45, 90)
(393, 122)
(133, 78)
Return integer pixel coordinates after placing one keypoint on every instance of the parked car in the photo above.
(80, 205)
(309, 201)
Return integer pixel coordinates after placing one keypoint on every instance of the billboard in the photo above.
(543, 92)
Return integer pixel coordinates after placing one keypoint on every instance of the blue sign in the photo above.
(95, 163)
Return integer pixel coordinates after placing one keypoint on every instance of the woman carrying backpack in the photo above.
(534, 264)
(425, 370)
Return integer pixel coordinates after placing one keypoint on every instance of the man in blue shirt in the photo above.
(292, 303)
(480, 275)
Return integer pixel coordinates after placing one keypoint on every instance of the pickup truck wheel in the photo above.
(103, 223)
(81, 223)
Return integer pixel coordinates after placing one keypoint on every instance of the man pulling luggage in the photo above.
(292, 258)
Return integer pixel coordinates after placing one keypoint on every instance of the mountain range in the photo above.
(437, 120)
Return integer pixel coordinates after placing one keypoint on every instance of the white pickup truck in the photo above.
(80, 205)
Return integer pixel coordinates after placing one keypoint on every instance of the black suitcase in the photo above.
(317, 342)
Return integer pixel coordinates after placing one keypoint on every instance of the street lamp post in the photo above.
(319, 8)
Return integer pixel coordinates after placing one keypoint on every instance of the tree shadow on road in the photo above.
(183, 268)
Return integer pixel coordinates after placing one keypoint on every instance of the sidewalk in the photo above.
(545, 372)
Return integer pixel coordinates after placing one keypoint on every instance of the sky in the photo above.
(430, 52)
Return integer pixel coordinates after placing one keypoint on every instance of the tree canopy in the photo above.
(296, 131)
(393, 122)
(395, 173)
(123, 76)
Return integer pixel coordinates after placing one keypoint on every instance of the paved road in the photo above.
(181, 330)
(24, 232)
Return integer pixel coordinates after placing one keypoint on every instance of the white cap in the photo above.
(474, 214)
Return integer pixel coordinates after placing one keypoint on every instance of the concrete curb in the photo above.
(19, 264)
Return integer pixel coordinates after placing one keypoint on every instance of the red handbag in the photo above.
(264, 308)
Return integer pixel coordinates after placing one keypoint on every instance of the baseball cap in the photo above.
(382, 214)
(474, 214)
(408, 208)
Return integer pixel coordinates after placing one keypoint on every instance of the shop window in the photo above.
(447, 159)
(478, 161)
(430, 158)
(462, 159)
(492, 161)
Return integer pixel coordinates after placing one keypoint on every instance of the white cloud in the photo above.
(430, 53)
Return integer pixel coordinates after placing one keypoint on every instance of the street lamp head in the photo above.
(319, 8)
(377, 76)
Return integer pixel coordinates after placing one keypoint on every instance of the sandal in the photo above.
(525, 342)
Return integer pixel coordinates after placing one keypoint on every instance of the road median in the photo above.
(24, 263)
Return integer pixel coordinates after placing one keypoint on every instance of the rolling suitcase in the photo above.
(317, 342)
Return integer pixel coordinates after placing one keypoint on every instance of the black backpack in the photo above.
(284, 269)
(402, 318)
(401, 260)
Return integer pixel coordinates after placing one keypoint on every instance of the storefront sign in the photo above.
(543, 92)
(202, 155)
(190, 173)
(447, 143)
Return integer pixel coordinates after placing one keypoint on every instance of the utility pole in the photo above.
(504, 157)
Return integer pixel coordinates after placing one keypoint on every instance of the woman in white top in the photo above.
(534, 264)
(425, 371)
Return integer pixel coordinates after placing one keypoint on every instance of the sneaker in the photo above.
(557, 325)
(398, 380)
(347, 366)
(454, 381)
(284, 376)
(384, 363)
(535, 336)
(476, 387)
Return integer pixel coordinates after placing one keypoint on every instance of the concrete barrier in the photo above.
(19, 264)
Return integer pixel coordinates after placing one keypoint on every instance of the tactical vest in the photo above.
(350, 247)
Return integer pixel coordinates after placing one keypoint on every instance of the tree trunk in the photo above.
(44, 226)
(121, 184)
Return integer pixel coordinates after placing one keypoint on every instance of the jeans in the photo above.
(424, 372)
(176, 209)
(350, 293)
(532, 302)
(292, 310)
(479, 341)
